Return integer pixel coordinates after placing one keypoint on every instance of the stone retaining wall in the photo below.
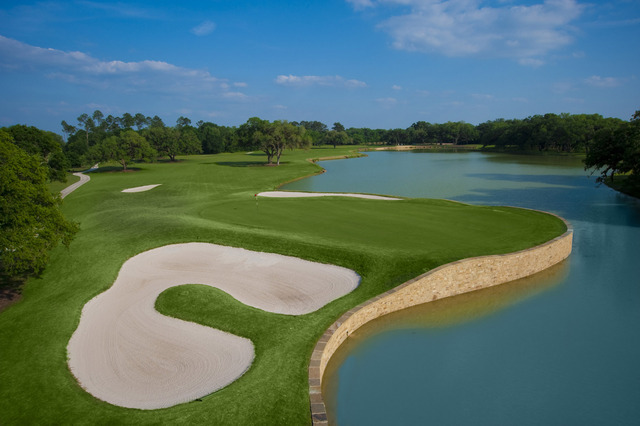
(445, 281)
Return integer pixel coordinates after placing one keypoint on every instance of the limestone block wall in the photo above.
(445, 281)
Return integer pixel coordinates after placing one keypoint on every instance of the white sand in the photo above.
(126, 353)
(293, 194)
(141, 188)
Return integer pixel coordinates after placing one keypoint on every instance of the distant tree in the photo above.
(395, 137)
(97, 117)
(127, 121)
(140, 121)
(247, 133)
(87, 123)
(155, 121)
(124, 148)
(275, 137)
(315, 126)
(214, 138)
(333, 137)
(616, 150)
(110, 125)
(172, 141)
(183, 122)
(31, 223)
(338, 127)
(67, 129)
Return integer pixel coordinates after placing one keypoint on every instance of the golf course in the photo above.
(211, 202)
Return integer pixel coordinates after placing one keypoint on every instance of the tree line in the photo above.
(97, 138)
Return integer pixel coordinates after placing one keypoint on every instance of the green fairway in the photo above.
(210, 198)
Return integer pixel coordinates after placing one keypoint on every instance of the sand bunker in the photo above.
(292, 194)
(141, 188)
(126, 353)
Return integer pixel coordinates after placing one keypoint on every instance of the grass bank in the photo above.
(211, 199)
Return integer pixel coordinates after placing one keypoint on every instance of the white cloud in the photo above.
(235, 95)
(360, 4)
(531, 62)
(205, 28)
(315, 80)
(240, 84)
(467, 27)
(387, 102)
(482, 96)
(562, 87)
(396, 87)
(125, 9)
(82, 69)
(597, 81)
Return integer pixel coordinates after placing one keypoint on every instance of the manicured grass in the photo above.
(211, 199)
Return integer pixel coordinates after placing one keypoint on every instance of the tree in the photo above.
(155, 121)
(275, 137)
(338, 127)
(172, 141)
(126, 147)
(87, 123)
(127, 121)
(616, 150)
(140, 121)
(183, 122)
(333, 137)
(46, 145)
(211, 137)
(67, 129)
(31, 223)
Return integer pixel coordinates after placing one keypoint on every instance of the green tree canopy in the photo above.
(333, 137)
(616, 150)
(275, 137)
(47, 146)
(124, 148)
(31, 223)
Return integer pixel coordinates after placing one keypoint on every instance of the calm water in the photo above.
(560, 348)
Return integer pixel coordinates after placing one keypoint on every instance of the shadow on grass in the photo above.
(115, 169)
(10, 290)
(169, 161)
(247, 163)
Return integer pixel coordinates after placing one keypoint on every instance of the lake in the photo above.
(559, 348)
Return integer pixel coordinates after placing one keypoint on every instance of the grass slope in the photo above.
(211, 199)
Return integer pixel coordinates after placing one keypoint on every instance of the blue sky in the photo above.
(365, 63)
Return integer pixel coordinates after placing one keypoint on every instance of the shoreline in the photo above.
(460, 277)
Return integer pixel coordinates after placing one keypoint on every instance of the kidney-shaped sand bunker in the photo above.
(126, 353)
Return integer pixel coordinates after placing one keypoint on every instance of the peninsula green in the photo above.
(211, 198)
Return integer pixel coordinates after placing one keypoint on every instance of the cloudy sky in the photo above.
(365, 63)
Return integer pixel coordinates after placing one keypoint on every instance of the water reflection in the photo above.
(439, 315)
(561, 354)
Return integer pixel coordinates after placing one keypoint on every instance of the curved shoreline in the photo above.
(448, 280)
